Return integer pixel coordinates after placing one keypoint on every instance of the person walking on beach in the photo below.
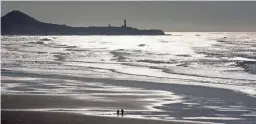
(122, 112)
(117, 112)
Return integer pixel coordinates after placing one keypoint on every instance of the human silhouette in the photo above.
(117, 112)
(122, 112)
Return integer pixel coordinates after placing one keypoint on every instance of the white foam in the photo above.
(242, 59)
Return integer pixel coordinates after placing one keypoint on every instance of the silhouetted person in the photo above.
(117, 112)
(122, 112)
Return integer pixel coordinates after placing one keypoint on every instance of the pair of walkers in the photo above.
(122, 112)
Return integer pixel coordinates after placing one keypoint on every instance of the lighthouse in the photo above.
(125, 22)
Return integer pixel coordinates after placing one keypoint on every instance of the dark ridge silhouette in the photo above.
(18, 23)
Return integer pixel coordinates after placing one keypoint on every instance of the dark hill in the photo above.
(18, 23)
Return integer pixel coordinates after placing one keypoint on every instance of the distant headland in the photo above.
(18, 23)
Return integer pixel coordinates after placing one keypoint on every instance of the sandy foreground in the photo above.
(10, 113)
(21, 117)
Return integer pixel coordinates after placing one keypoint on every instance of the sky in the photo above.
(169, 16)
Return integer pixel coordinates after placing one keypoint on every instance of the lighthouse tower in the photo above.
(125, 22)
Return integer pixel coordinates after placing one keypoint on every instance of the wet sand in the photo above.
(19, 117)
(47, 101)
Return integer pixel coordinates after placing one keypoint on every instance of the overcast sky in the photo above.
(165, 15)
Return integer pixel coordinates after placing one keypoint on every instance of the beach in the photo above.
(213, 102)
